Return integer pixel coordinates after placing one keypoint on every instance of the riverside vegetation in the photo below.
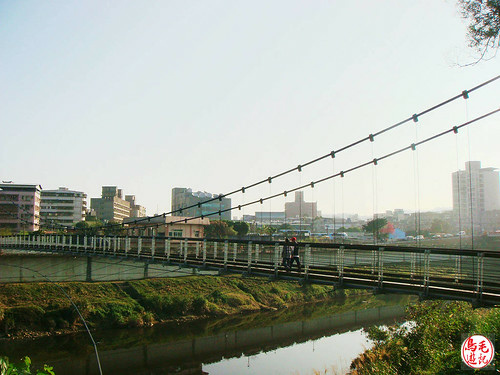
(34, 309)
(430, 341)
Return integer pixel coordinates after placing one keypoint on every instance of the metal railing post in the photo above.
(276, 258)
(257, 250)
(340, 254)
(427, 263)
(153, 246)
(480, 269)
(226, 250)
(307, 260)
(185, 250)
(380, 267)
(94, 243)
(413, 264)
(458, 267)
(197, 250)
(139, 246)
(249, 256)
(235, 251)
(168, 248)
(204, 252)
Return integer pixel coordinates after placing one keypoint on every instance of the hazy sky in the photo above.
(214, 95)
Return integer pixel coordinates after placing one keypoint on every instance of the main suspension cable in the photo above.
(341, 174)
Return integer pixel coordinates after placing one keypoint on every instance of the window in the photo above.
(175, 233)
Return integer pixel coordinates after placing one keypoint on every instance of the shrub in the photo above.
(23, 368)
(116, 314)
(217, 296)
(200, 305)
(25, 316)
(430, 344)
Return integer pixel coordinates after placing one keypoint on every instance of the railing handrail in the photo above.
(319, 245)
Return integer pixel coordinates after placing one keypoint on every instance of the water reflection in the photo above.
(270, 342)
(332, 353)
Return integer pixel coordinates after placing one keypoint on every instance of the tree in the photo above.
(113, 228)
(374, 226)
(87, 227)
(269, 230)
(241, 228)
(484, 24)
(219, 229)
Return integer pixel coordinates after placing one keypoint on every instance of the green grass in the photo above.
(38, 308)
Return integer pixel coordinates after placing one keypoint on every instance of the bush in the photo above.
(430, 344)
(200, 305)
(117, 315)
(23, 368)
(217, 297)
(23, 316)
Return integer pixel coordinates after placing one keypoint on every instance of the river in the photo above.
(322, 336)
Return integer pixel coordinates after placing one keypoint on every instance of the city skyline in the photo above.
(201, 196)
(156, 96)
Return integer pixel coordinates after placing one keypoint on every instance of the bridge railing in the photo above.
(423, 270)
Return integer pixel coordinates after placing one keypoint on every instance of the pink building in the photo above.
(19, 207)
(169, 226)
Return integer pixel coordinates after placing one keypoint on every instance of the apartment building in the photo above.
(135, 209)
(20, 207)
(62, 207)
(184, 197)
(111, 206)
(476, 192)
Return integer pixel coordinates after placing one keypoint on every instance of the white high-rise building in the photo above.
(476, 195)
(62, 207)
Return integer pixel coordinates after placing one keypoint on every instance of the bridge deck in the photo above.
(432, 273)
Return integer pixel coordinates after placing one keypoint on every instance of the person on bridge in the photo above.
(286, 254)
(295, 253)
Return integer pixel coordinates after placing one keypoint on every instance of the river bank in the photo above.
(38, 309)
(291, 340)
(430, 341)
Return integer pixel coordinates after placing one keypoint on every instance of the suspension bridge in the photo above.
(431, 273)
(454, 273)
